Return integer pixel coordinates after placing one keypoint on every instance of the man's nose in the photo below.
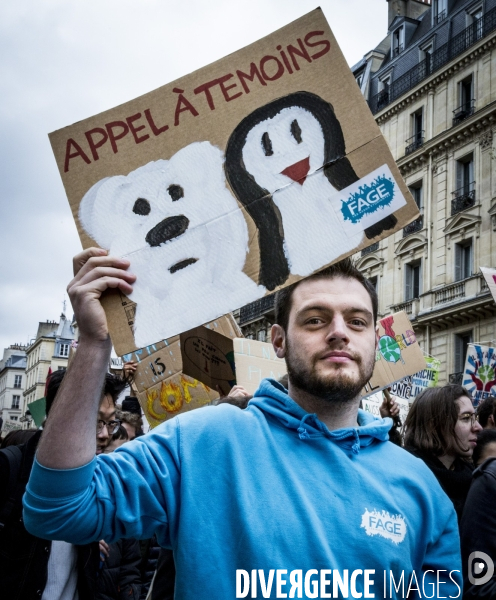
(337, 329)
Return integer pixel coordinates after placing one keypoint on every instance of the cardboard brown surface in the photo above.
(398, 354)
(255, 361)
(183, 146)
(162, 387)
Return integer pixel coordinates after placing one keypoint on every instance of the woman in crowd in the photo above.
(441, 429)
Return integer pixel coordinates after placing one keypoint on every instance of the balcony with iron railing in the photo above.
(456, 378)
(371, 248)
(416, 141)
(441, 15)
(257, 309)
(435, 61)
(414, 226)
(463, 111)
(463, 198)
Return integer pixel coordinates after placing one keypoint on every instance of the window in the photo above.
(439, 10)
(16, 400)
(398, 41)
(474, 19)
(466, 100)
(417, 193)
(17, 381)
(61, 368)
(465, 175)
(11, 418)
(462, 340)
(417, 130)
(413, 276)
(64, 350)
(463, 260)
(426, 54)
(359, 79)
(262, 335)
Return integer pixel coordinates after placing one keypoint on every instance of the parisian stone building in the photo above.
(49, 350)
(431, 86)
(12, 386)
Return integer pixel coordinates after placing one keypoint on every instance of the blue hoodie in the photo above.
(267, 488)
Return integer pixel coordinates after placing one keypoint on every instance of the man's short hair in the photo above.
(345, 268)
(430, 424)
(113, 387)
(485, 409)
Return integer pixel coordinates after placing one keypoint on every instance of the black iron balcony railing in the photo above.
(440, 57)
(370, 249)
(414, 142)
(440, 16)
(463, 111)
(463, 198)
(256, 309)
(414, 226)
(456, 378)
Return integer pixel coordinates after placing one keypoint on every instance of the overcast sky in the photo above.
(62, 61)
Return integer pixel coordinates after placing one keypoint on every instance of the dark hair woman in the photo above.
(441, 429)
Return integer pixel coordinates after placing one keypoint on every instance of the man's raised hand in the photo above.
(96, 272)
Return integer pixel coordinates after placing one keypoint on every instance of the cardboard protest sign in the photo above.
(479, 375)
(38, 411)
(220, 362)
(162, 387)
(490, 277)
(232, 182)
(398, 353)
(409, 387)
(373, 403)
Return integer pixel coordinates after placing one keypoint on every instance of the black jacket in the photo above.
(478, 530)
(455, 482)
(119, 576)
(24, 557)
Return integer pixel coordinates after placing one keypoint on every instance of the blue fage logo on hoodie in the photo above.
(391, 527)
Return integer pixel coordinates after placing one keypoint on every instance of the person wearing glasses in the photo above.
(441, 429)
(30, 567)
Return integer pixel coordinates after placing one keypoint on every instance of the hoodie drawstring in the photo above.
(356, 446)
(302, 432)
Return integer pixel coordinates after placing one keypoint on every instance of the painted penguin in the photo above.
(284, 161)
(184, 234)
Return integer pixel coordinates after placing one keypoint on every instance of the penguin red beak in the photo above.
(299, 171)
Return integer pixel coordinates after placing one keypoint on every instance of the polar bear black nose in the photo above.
(166, 230)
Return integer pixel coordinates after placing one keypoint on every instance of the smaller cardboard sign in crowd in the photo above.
(398, 354)
(372, 404)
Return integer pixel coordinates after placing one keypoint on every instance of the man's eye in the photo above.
(358, 323)
(314, 321)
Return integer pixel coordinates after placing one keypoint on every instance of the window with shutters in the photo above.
(16, 400)
(464, 194)
(463, 260)
(462, 340)
(17, 381)
(413, 279)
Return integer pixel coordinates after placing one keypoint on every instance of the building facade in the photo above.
(12, 386)
(49, 350)
(431, 85)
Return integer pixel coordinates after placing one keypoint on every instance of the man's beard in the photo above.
(337, 387)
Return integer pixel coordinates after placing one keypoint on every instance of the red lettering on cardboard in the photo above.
(78, 152)
(278, 73)
(254, 72)
(303, 52)
(95, 145)
(325, 43)
(134, 130)
(285, 59)
(225, 89)
(155, 130)
(114, 138)
(205, 87)
(182, 105)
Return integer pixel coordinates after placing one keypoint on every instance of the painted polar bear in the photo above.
(185, 237)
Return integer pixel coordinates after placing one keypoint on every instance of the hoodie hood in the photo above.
(273, 399)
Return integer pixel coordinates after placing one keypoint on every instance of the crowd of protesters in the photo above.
(455, 441)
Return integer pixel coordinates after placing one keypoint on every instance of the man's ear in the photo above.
(377, 336)
(278, 337)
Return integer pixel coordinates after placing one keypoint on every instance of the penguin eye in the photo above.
(267, 145)
(142, 207)
(296, 131)
(176, 192)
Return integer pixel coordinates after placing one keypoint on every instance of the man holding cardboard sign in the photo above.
(295, 494)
